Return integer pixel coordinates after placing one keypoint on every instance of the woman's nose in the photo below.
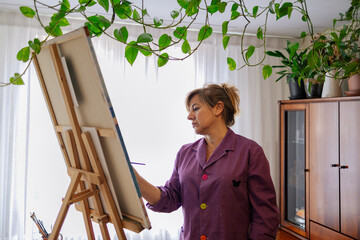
(190, 115)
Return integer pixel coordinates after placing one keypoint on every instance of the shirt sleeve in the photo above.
(170, 198)
(262, 195)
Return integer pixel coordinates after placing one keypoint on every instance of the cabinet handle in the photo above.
(335, 165)
(306, 170)
(344, 167)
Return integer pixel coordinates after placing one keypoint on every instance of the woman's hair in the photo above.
(211, 94)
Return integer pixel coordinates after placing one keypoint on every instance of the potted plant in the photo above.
(334, 54)
(294, 67)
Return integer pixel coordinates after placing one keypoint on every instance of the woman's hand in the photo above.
(148, 191)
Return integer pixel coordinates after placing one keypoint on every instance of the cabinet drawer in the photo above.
(318, 232)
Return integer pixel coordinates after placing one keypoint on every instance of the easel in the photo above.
(83, 166)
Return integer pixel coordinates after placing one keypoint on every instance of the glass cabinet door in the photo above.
(294, 167)
(293, 202)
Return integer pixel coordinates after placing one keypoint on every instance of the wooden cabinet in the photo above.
(330, 168)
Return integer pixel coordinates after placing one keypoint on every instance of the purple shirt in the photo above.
(230, 196)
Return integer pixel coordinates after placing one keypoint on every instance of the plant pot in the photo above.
(332, 87)
(297, 91)
(315, 90)
(354, 85)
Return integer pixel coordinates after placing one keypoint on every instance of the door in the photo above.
(349, 169)
(293, 164)
(324, 163)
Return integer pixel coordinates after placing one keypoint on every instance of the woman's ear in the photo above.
(219, 108)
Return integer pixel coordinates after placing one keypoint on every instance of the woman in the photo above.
(222, 181)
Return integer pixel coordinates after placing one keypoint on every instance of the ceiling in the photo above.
(321, 12)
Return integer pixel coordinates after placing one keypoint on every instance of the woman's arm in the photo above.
(149, 192)
(266, 215)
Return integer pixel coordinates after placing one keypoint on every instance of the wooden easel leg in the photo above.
(74, 162)
(104, 188)
(75, 179)
(70, 139)
(87, 221)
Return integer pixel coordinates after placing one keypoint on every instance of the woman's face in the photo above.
(201, 116)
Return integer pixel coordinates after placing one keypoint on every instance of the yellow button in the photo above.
(203, 206)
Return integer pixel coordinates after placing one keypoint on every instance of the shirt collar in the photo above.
(227, 144)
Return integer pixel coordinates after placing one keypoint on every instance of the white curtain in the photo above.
(149, 104)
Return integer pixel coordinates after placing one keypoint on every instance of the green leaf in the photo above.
(266, 71)
(35, 45)
(215, 2)
(293, 46)
(131, 52)
(163, 59)
(144, 38)
(222, 6)
(27, 12)
(304, 18)
(104, 4)
(145, 50)
(225, 41)
(250, 52)
(174, 14)
(234, 7)
(185, 47)
(303, 34)
(271, 53)
(164, 41)
(53, 29)
(193, 7)
(234, 15)
(180, 32)
(104, 23)
(351, 67)
(92, 3)
(259, 33)
(144, 12)
(334, 22)
(313, 59)
(212, 9)
(158, 22)
(284, 10)
(136, 15)
(97, 24)
(204, 33)
(65, 5)
(81, 9)
(64, 22)
(123, 11)
(334, 36)
(318, 45)
(16, 80)
(23, 54)
(255, 10)
(121, 34)
(225, 27)
(231, 64)
(183, 3)
(271, 7)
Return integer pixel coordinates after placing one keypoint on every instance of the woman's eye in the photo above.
(195, 109)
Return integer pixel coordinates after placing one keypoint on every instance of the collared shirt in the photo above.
(231, 196)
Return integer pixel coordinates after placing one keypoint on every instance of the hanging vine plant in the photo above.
(182, 19)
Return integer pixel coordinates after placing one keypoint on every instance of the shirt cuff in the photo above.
(160, 204)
